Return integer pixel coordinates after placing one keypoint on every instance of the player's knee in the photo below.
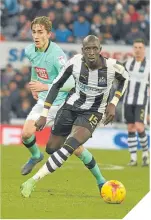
(139, 127)
(131, 128)
(26, 135)
(50, 148)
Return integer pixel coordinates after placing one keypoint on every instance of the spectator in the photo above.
(134, 34)
(124, 4)
(63, 34)
(88, 12)
(24, 109)
(5, 106)
(133, 13)
(108, 30)
(25, 32)
(14, 96)
(122, 29)
(111, 5)
(7, 74)
(18, 78)
(81, 27)
(4, 14)
(29, 11)
(143, 25)
(45, 9)
(22, 19)
(52, 17)
(97, 25)
(118, 13)
(68, 20)
(25, 72)
(59, 11)
(103, 11)
(12, 7)
(75, 10)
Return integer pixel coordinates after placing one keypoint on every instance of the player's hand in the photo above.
(119, 68)
(34, 94)
(36, 86)
(40, 123)
(110, 114)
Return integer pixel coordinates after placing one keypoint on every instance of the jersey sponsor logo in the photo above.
(85, 88)
(41, 72)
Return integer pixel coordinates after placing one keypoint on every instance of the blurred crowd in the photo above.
(16, 97)
(119, 21)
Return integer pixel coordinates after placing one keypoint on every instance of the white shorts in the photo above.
(37, 109)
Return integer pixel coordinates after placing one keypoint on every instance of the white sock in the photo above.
(134, 156)
(145, 154)
(41, 173)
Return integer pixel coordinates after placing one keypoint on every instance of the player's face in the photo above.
(139, 50)
(91, 52)
(40, 35)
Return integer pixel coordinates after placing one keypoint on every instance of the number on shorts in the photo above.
(93, 120)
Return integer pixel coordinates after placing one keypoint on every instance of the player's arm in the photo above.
(52, 94)
(122, 76)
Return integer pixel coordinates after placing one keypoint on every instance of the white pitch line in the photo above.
(76, 165)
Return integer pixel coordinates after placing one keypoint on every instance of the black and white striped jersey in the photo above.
(92, 87)
(137, 90)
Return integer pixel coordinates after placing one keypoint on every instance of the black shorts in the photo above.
(134, 113)
(66, 118)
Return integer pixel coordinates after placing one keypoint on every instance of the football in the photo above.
(113, 192)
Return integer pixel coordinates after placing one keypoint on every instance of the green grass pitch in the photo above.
(70, 192)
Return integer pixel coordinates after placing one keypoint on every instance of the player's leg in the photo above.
(57, 158)
(132, 138)
(55, 142)
(89, 161)
(78, 136)
(29, 141)
(140, 117)
(29, 138)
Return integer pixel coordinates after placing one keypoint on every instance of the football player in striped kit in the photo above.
(136, 102)
(84, 107)
(47, 59)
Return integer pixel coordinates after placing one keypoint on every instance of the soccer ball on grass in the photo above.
(113, 192)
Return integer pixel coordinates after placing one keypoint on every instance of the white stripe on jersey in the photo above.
(93, 79)
(131, 93)
(140, 99)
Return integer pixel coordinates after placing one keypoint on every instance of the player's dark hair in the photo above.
(43, 20)
(139, 40)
